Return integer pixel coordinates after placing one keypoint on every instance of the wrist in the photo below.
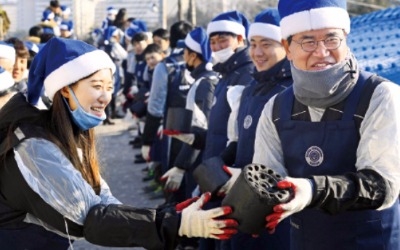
(317, 188)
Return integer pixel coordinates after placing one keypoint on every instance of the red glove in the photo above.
(171, 132)
(196, 222)
(184, 204)
(187, 138)
(302, 190)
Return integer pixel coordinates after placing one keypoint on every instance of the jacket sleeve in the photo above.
(365, 189)
(158, 91)
(49, 188)
(229, 153)
(186, 157)
(122, 226)
(200, 136)
(204, 96)
(150, 128)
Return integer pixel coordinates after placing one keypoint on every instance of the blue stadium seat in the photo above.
(375, 40)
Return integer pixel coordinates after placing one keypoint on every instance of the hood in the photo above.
(17, 110)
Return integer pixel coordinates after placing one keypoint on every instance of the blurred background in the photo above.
(20, 15)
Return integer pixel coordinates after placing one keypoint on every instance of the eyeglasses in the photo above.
(330, 43)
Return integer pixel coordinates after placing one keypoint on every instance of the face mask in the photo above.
(223, 55)
(327, 87)
(81, 118)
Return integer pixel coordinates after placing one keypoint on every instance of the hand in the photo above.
(196, 222)
(302, 189)
(174, 178)
(234, 173)
(184, 204)
(146, 152)
(187, 138)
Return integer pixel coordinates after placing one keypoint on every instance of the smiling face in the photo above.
(265, 52)
(93, 93)
(19, 69)
(321, 58)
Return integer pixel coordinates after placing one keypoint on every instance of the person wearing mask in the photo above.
(271, 76)
(67, 29)
(110, 18)
(227, 33)
(197, 55)
(169, 89)
(52, 190)
(331, 136)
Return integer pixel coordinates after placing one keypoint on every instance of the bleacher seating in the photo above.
(375, 40)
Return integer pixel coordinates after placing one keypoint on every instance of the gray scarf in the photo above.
(327, 87)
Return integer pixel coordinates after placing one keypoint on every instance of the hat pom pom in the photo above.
(209, 66)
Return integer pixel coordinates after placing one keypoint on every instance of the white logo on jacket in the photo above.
(314, 156)
(248, 120)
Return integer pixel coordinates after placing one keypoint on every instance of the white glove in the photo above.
(146, 152)
(234, 173)
(302, 189)
(186, 138)
(133, 90)
(203, 223)
(174, 178)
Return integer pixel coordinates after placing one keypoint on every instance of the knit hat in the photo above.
(232, 21)
(65, 10)
(111, 31)
(67, 25)
(62, 62)
(6, 80)
(7, 51)
(266, 24)
(197, 40)
(303, 15)
(135, 26)
(111, 10)
(47, 15)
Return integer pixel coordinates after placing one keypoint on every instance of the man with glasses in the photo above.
(334, 135)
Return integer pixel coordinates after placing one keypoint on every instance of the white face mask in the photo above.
(223, 55)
